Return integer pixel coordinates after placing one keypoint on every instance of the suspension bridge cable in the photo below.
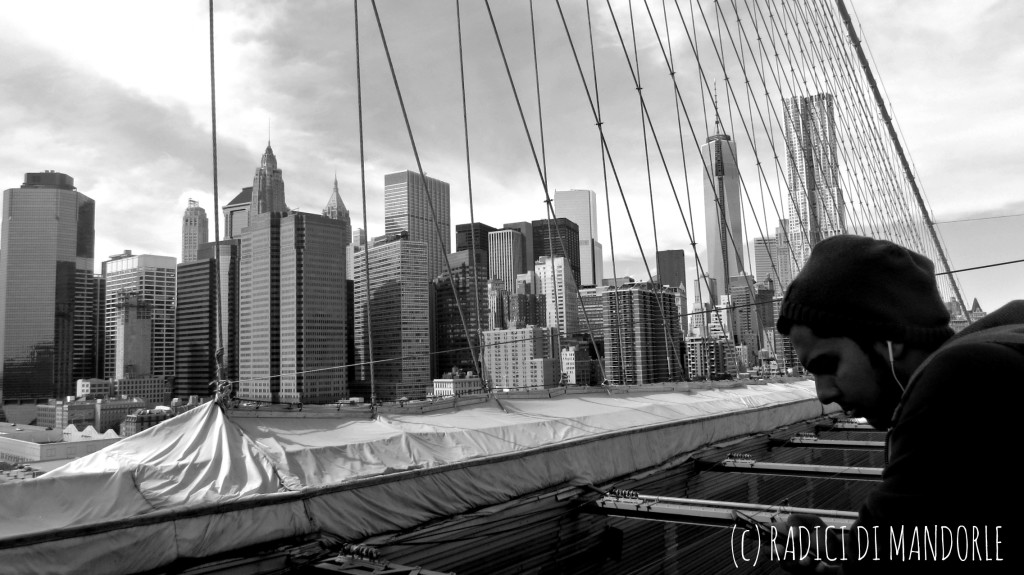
(469, 184)
(693, 43)
(219, 352)
(647, 166)
(611, 162)
(362, 180)
(979, 268)
(825, 130)
(978, 219)
(423, 182)
(710, 178)
(550, 212)
(899, 148)
(604, 171)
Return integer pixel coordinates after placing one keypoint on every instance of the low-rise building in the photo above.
(457, 383)
(143, 419)
(28, 443)
(102, 414)
(576, 366)
(153, 391)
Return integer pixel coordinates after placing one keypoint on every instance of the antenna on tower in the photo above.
(718, 119)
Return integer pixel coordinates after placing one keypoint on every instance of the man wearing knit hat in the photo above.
(866, 318)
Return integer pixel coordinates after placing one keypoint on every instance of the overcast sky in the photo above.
(117, 95)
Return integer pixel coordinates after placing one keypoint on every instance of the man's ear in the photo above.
(890, 350)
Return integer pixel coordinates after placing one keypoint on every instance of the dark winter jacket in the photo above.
(953, 456)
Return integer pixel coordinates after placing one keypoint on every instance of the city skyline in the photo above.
(101, 79)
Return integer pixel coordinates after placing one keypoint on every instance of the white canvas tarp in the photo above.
(204, 483)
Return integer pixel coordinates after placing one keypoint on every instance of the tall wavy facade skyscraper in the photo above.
(47, 288)
(816, 209)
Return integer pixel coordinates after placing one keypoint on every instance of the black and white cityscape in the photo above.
(439, 357)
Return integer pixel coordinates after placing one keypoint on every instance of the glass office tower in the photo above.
(46, 259)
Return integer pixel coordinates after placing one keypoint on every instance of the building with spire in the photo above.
(292, 324)
(268, 185)
(336, 210)
(48, 308)
(722, 209)
(194, 231)
(817, 209)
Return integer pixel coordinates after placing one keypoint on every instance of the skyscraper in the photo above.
(266, 195)
(399, 316)
(672, 268)
(291, 318)
(558, 237)
(817, 210)
(580, 206)
(505, 256)
(292, 309)
(151, 281)
(407, 207)
(268, 186)
(746, 327)
(313, 326)
(764, 257)
(236, 214)
(194, 231)
(722, 210)
(195, 331)
(529, 256)
(46, 282)
(468, 234)
(554, 279)
(640, 344)
(195, 328)
(773, 258)
(336, 210)
(451, 346)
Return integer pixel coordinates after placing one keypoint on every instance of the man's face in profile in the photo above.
(858, 380)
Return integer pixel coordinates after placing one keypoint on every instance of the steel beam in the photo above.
(791, 469)
(816, 443)
(704, 512)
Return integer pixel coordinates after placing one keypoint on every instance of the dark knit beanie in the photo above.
(867, 289)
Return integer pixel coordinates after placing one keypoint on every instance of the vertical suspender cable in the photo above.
(362, 180)
(469, 182)
(423, 180)
(665, 318)
(613, 301)
(219, 354)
